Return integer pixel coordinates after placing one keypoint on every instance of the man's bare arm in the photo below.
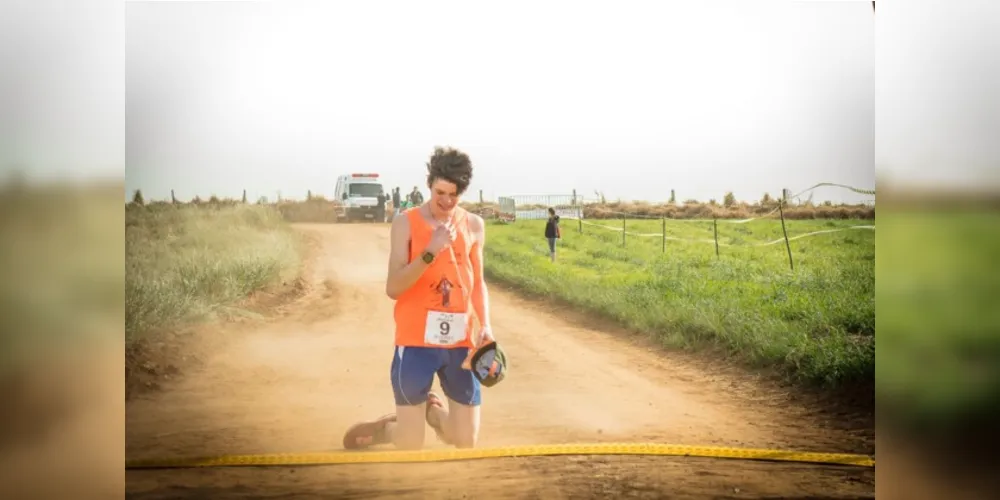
(402, 274)
(480, 293)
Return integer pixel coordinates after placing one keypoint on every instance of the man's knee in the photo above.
(464, 428)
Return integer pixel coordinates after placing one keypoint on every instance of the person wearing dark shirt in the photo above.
(395, 203)
(552, 232)
(416, 197)
(380, 209)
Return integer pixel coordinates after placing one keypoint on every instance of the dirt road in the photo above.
(296, 380)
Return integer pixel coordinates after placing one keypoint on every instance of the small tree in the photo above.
(244, 196)
(673, 197)
(729, 200)
(137, 198)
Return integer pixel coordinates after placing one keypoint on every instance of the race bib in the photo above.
(444, 328)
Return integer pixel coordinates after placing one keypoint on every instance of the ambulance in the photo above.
(358, 196)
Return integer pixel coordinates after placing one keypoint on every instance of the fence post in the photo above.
(579, 211)
(788, 246)
(663, 230)
(623, 230)
(715, 224)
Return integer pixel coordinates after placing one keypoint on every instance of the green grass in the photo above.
(940, 361)
(183, 262)
(817, 323)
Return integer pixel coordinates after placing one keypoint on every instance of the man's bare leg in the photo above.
(459, 424)
(407, 432)
(404, 429)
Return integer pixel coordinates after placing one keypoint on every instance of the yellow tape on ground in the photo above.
(400, 456)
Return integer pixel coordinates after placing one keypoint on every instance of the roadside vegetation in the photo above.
(940, 361)
(184, 261)
(816, 323)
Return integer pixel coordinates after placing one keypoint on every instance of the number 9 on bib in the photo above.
(444, 328)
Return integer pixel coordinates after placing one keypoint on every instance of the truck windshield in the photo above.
(367, 190)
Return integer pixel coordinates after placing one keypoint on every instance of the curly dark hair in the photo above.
(451, 165)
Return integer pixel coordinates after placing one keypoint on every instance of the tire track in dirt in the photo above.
(295, 382)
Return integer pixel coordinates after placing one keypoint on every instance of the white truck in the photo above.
(358, 196)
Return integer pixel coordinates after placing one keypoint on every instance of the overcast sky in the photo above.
(632, 99)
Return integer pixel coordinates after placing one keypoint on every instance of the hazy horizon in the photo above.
(741, 96)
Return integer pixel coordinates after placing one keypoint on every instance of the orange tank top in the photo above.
(432, 312)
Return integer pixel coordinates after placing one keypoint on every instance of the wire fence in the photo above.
(572, 207)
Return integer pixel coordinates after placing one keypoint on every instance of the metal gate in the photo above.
(536, 207)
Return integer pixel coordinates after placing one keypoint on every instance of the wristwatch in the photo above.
(427, 257)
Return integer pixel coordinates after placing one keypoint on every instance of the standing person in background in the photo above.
(416, 198)
(380, 209)
(395, 201)
(552, 232)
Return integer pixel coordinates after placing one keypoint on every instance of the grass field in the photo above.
(939, 283)
(183, 261)
(816, 322)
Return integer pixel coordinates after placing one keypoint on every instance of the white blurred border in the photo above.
(62, 89)
(937, 109)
